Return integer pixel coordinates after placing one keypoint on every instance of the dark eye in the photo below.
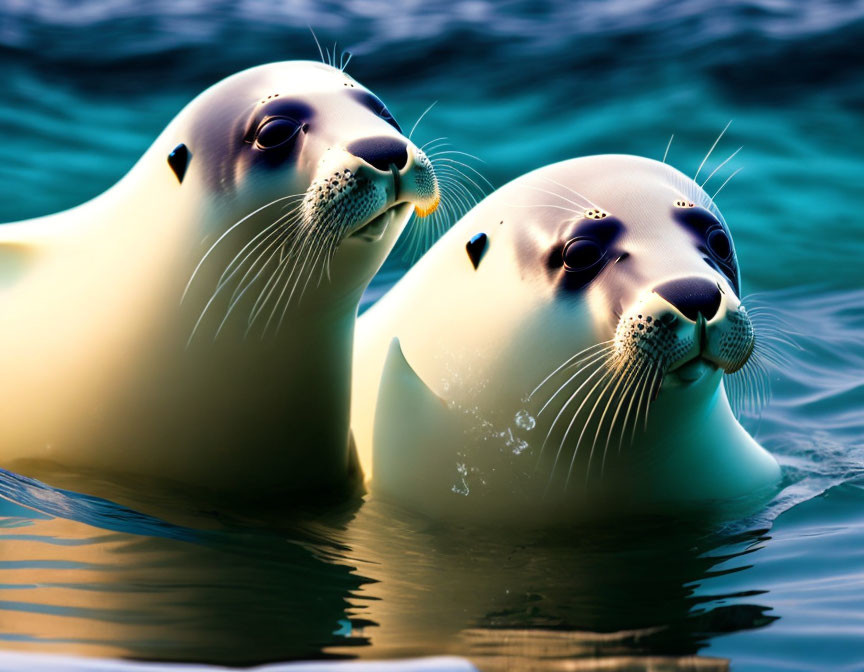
(719, 244)
(581, 254)
(278, 132)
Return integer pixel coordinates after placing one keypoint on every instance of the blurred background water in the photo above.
(88, 85)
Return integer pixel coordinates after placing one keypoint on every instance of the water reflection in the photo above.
(371, 581)
(152, 590)
(556, 595)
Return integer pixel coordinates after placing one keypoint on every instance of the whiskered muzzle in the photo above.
(599, 400)
(363, 186)
(685, 320)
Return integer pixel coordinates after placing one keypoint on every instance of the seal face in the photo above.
(321, 165)
(195, 321)
(577, 366)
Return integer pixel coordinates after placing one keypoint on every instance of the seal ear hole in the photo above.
(681, 203)
(178, 159)
(475, 248)
(596, 213)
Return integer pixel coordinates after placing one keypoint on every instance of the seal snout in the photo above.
(692, 296)
(684, 321)
(413, 176)
(381, 152)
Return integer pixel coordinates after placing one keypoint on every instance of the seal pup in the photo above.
(560, 353)
(194, 322)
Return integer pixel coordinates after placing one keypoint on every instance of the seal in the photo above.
(560, 353)
(194, 322)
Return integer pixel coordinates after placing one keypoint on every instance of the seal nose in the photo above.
(691, 296)
(381, 152)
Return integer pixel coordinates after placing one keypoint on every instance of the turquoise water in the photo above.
(86, 89)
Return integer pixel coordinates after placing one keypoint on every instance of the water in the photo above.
(520, 84)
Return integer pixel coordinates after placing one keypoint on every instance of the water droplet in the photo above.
(461, 486)
(525, 420)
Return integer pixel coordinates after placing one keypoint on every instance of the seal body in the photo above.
(194, 323)
(560, 353)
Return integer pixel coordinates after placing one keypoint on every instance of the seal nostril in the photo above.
(691, 296)
(381, 152)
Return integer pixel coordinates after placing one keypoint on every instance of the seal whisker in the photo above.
(243, 287)
(573, 191)
(317, 254)
(227, 231)
(294, 211)
(344, 59)
(469, 167)
(726, 182)
(469, 200)
(277, 239)
(457, 151)
(668, 145)
(572, 359)
(288, 263)
(442, 138)
(310, 253)
(606, 373)
(282, 236)
(456, 189)
(455, 197)
(656, 381)
(598, 367)
(608, 377)
(534, 206)
(552, 193)
(260, 239)
(209, 303)
(282, 265)
(294, 269)
(301, 281)
(618, 378)
(317, 43)
(274, 234)
(720, 165)
(319, 257)
(597, 357)
(701, 165)
(649, 376)
(420, 118)
(630, 371)
(313, 254)
(642, 374)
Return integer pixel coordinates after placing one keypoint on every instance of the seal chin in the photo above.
(374, 229)
(690, 373)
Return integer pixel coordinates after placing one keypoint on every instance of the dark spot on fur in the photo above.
(179, 159)
(476, 247)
